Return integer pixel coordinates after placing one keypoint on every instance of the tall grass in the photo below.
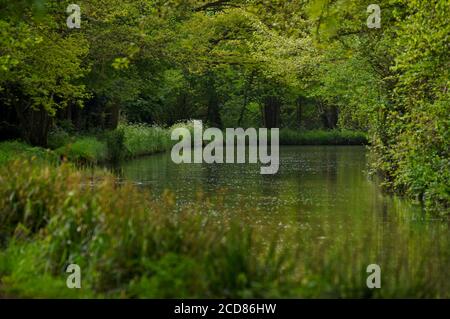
(127, 141)
(141, 139)
(321, 137)
(126, 244)
(85, 149)
(133, 140)
(11, 150)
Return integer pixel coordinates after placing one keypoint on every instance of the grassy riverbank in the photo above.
(11, 150)
(129, 245)
(127, 141)
(50, 218)
(132, 140)
(322, 137)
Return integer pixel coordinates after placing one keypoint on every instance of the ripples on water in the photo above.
(321, 192)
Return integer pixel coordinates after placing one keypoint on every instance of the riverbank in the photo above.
(10, 150)
(129, 245)
(127, 141)
(133, 140)
(50, 219)
(130, 141)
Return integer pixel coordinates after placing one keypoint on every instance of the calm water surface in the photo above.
(312, 180)
(322, 191)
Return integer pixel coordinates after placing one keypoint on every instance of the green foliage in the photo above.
(318, 137)
(28, 199)
(85, 149)
(23, 274)
(127, 141)
(115, 142)
(57, 138)
(40, 69)
(136, 252)
(161, 249)
(141, 139)
(394, 82)
(420, 146)
(12, 150)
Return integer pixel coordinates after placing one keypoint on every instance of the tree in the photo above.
(39, 68)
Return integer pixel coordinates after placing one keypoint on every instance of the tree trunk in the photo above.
(272, 112)
(299, 111)
(34, 125)
(112, 115)
(247, 88)
(329, 116)
(333, 117)
(213, 114)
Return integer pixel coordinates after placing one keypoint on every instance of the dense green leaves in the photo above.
(396, 81)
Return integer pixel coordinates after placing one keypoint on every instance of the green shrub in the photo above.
(85, 150)
(320, 137)
(57, 138)
(141, 139)
(12, 150)
(115, 142)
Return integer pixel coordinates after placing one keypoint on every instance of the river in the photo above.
(322, 192)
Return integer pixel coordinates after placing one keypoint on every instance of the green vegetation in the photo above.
(23, 274)
(115, 88)
(152, 250)
(394, 81)
(144, 140)
(132, 140)
(127, 141)
(14, 150)
(50, 218)
(320, 137)
(234, 64)
(84, 149)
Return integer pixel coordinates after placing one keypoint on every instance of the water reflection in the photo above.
(323, 193)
